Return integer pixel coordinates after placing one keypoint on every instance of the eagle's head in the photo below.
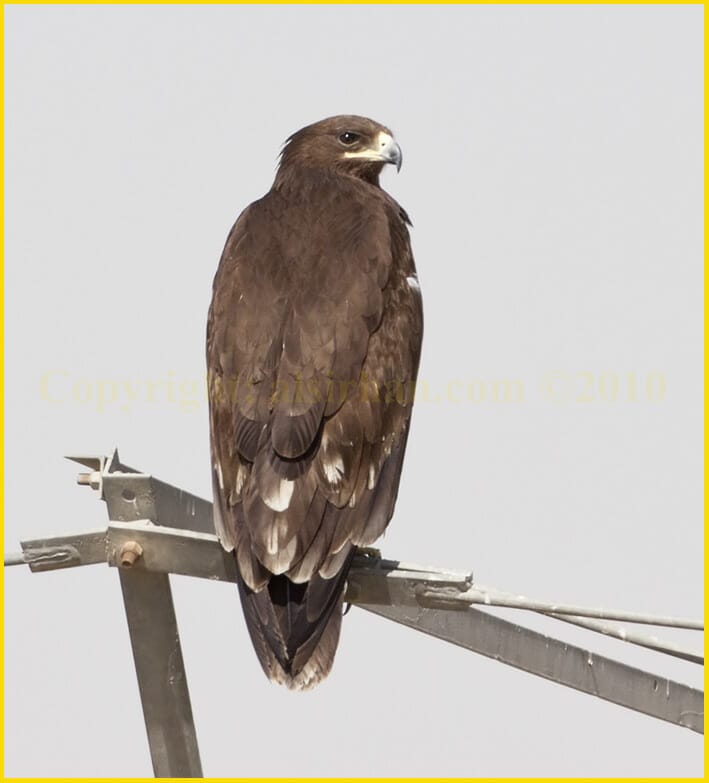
(347, 144)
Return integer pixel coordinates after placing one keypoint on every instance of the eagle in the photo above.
(313, 342)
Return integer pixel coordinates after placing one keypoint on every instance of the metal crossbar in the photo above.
(492, 597)
(155, 530)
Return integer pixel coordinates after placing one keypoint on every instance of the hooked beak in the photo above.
(390, 151)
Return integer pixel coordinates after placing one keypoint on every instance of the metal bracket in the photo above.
(156, 529)
(131, 495)
(152, 625)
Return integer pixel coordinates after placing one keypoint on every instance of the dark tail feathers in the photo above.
(295, 627)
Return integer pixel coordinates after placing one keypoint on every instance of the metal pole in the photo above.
(557, 661)
(146, 551)
(161, 674)
(489, 596)
(649, 642)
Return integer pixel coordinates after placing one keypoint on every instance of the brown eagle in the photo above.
(313, 343)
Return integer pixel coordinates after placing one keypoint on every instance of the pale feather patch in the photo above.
(279, 557)
(279, 498)
(335, 562)
(225, 536)
(334, 470)
(241, 475)
(273, 537)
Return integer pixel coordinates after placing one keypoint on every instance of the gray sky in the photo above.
(553, 172)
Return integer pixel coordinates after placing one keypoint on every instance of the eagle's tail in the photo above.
(295, 627)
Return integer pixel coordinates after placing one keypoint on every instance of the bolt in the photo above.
(92, 479)
(130, 552)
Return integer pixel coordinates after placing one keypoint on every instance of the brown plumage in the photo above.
(313, 343)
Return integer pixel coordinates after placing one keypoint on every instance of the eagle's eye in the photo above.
(348, 138)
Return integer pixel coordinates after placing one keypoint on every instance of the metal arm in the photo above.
(156, 529)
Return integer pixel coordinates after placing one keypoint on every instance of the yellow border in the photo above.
(356, 2)
(2, 380)
(2, 333)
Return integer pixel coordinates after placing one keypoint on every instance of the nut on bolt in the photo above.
(130, 552)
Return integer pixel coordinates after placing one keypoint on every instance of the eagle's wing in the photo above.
(313, 344)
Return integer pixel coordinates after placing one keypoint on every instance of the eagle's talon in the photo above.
(370, 551)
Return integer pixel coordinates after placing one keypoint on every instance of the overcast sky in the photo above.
(553, 173)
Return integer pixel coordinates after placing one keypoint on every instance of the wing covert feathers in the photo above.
(313, 345)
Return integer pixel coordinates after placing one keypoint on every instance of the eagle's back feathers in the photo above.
(313, 344)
